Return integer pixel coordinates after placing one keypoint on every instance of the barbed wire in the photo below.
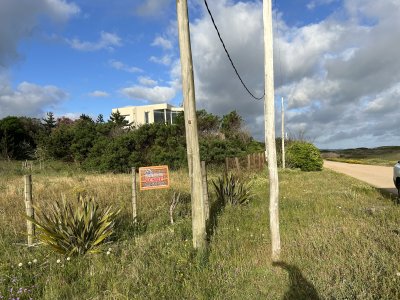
(229, 57)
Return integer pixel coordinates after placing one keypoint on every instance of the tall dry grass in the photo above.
(340, 240)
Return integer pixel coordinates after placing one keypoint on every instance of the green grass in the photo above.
(340, 239)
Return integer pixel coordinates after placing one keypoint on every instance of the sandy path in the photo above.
(377, 176)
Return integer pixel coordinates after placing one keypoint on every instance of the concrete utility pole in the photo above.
(269, 113)
(192, 140)
(283, 133)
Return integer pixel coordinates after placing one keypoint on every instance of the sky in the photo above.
(336, 62)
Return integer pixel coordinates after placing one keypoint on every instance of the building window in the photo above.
(146, 117)
(168, 116)
(174, 114)
(159, 116)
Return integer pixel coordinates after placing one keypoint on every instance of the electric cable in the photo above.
(230, 59)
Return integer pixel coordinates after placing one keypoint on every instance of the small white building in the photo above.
(148, 114)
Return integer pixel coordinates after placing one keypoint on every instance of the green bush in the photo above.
(77, 230)
(231, 190)
(304, 156)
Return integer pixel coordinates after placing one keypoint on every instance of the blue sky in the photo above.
(334, 62)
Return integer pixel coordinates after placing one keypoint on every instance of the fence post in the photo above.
(29, 209)
(205, 190)
(227, 164)
(248, 162)
(237, 164)
(134, 205)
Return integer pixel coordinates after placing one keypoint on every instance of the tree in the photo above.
(118, 119)
(231, 123)
(84, 136)
(86, 118)
(64, 121)
(207, 123)
(58, 144)
(16, 139)
(100, 119)
(49, 121)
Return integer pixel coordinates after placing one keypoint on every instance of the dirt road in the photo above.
(377, 176)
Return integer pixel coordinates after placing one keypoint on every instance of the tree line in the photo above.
(115, 145)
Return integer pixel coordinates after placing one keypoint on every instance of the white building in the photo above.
(148, 114)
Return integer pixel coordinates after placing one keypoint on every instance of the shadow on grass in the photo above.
(300, 288)
(212, 223)
(126, 227)
(393, 194)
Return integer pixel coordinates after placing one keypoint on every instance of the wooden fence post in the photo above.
(227, 164)
(29, 209)
(237, 164)
(134, 205)
(248, 162)
(205, 190)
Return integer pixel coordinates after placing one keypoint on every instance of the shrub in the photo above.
(305, 156)
(75, 230)
(231, 190)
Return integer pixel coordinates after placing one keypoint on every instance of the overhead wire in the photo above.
(229, 57)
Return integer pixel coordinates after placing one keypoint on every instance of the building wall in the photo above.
(136, 114)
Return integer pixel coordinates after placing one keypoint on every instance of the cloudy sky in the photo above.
(336, 62)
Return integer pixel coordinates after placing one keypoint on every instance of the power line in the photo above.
(227, 53)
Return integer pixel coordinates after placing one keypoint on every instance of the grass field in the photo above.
(340, 240)
(383, 156)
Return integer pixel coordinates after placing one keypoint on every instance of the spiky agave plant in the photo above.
(232, 190)
(75, 230)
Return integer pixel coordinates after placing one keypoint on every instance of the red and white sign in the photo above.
(155, 177)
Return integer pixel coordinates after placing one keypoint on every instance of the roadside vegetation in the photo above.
(340, 239)
(116, 146)
(382, 156)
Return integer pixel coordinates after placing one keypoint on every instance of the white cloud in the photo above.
(143, 80)
(18, 19)
(217, 88)
(61, 9)
(123, 67)
(152, 7)
(99, 94)
(164, 60)
(28, 99)
(386, 102)
(107, 41)
(157, 94)
(70, 115)
(162, 42)
(341, 74)
(314, 3)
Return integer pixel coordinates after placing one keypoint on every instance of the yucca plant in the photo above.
(231, 190)
(75, 230)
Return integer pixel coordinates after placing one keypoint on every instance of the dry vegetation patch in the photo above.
(339, 240)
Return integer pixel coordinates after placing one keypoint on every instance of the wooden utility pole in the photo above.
(192, 140)
(283, 133)
(269, 113)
